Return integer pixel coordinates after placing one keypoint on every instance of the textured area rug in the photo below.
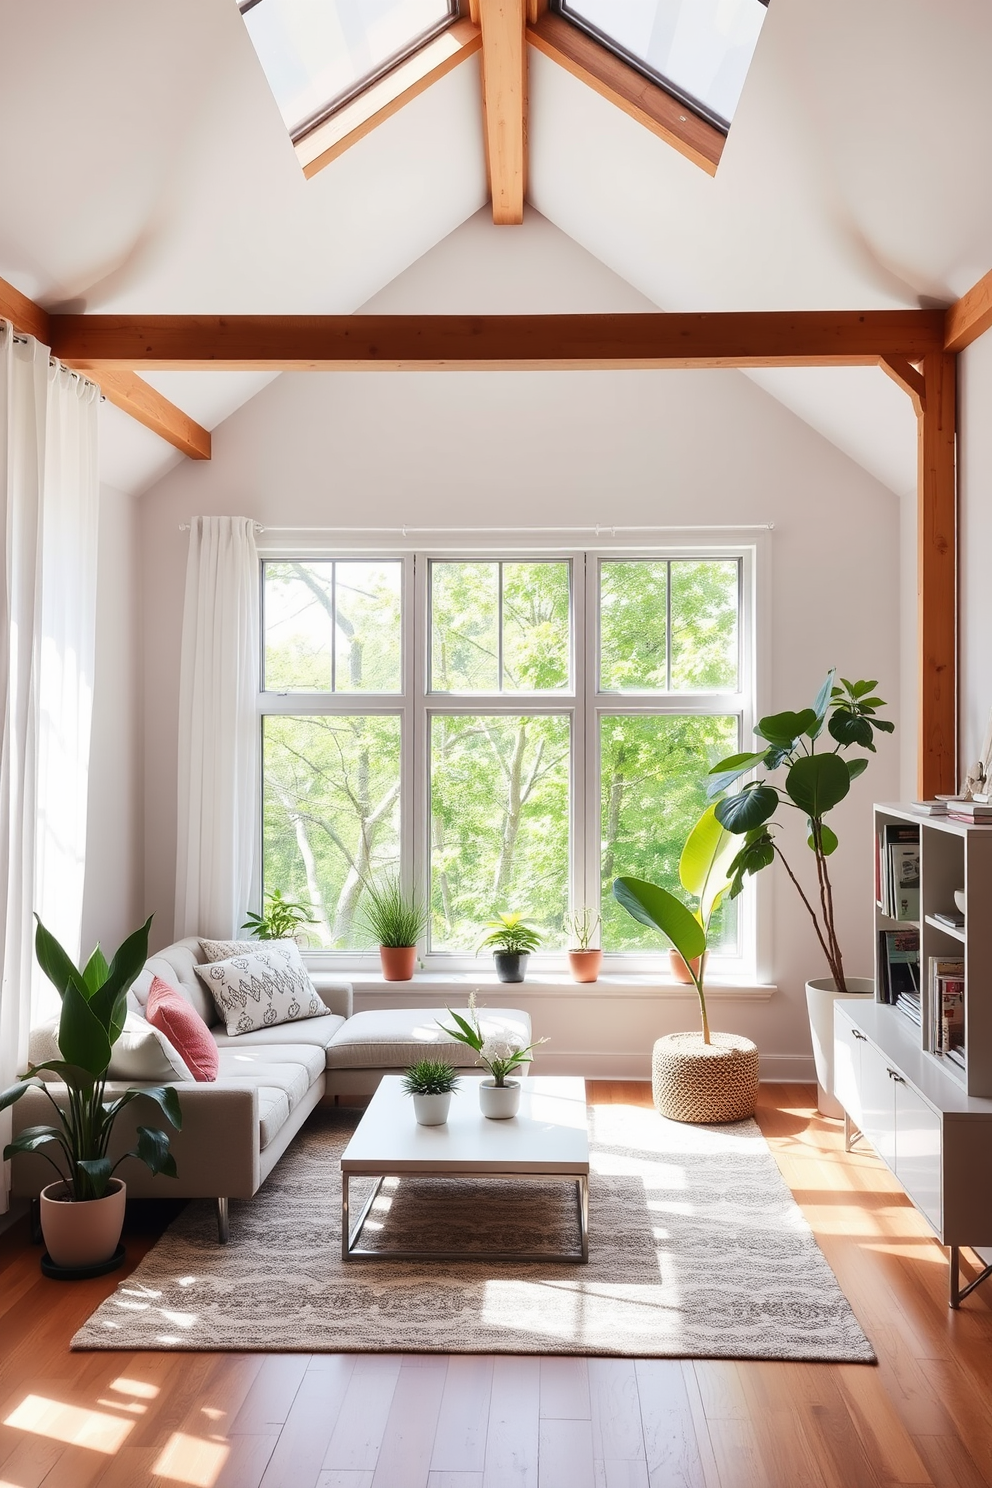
(697, 1250)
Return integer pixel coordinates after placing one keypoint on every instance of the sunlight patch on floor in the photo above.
(139, 1388)
(191, 1459)
(72, 1424)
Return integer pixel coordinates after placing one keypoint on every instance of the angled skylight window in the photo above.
(319, 54)
(699, 50)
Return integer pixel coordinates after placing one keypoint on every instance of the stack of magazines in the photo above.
(947, 1006)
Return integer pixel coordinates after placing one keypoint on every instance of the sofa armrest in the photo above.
(216, 1152)
(338, 996)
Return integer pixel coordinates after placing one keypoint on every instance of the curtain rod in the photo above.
(600, 529)
(21, 340)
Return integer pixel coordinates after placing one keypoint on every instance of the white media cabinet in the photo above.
(929, 1119)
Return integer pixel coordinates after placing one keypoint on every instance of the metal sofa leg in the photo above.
(223, 1226)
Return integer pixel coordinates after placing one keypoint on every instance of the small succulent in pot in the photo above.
(586, 957)
(279, 919)
(395, 919)
(511, 941)
(431, 1082)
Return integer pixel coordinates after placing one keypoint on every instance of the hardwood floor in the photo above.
(922, 1417)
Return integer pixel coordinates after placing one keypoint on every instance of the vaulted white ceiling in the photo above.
(144, 167)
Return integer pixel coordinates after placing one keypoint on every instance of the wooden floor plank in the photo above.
(671, 1449)
(566, 1455)
(460, 1438)
(408, 1441)
(303, 1441)
(357, 1434)
(617, 1433)
(565, 1389)
(513, 1438)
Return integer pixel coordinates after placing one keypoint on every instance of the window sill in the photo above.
(627, 985)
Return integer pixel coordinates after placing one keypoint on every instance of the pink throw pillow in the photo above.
(169, 1012)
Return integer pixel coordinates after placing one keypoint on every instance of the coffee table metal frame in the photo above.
(382, 1168)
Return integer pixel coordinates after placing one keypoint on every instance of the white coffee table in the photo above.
(549, 1138)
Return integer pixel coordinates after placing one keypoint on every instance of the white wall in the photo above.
(479, 449)
(112, 901)
(975, 544)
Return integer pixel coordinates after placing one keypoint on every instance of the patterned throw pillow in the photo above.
(223, 950)
(267, 986)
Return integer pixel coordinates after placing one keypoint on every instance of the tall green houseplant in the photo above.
(818, 776)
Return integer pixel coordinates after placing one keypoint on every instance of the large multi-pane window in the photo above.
(501, 731)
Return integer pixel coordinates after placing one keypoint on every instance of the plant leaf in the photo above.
(850, 728)
(828, 839)
(655, 906)
(758, 852)
(786, 728)
(13, 1093)
(165, 1097)
(821, 703)
(33, 1137)
(95, 971)
(856, 767)
(705, 861)
(56, 964)
(83, 1039)
(750, 808)
(93, 1177)
(884, 724)
(153, 1151)
(817, 782)
(727, 771)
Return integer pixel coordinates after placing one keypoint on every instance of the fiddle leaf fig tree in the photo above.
(818, 776)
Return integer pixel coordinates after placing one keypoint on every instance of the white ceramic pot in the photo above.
(432, 1110)
(821, 995)
(499, 1102)
(86, 1233)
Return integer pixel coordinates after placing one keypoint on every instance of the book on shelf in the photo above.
(946, 983)
(930, 808)
(909, 1003)
(898, 964)
(898, 871)
(952, 917)
(970, 811)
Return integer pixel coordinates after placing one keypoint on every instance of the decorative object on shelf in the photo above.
(511, 941)
(396, 920)
(696, 1077)
(280, 919)
(431, 1082)
(959, 903)
(82, 1214)
(584, 959)
(814, 784)
(979, 775)
(499, 1056)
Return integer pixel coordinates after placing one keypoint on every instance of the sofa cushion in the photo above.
(176, 965)
(169, 1012)
(393, 1038)
(282, 1080)
(141, 1053)
(316, 1033)
(264, 989)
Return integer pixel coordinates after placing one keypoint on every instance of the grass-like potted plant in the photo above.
(584, 958)
(431, 1082)
(511, 941)
(280, 919)
(499, 1096)
(696, 1076)
(395, 919)
(82, 1214)
(816, 780)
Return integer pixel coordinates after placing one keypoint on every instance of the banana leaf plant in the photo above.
(94, 1006)
(816, 780)
(704, 872)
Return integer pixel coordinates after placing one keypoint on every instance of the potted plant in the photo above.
(280, 919)
(816, 780)
(511, 940)
(82, 1214)
(431, 1083)
(696, 1077)
(499, 1096)
(395, 920)
(584, 958)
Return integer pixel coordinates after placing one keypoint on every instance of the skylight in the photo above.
(318, 54)
(699, 50)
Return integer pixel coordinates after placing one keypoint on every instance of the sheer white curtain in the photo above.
(218, 729)
(48, 519)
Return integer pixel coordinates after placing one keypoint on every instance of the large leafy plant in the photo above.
(704, 872)
(510, 934)
(94, 1006)
(279, 918)
(816, 780)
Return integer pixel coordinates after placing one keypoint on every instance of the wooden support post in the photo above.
(504, 105)
(937, 578)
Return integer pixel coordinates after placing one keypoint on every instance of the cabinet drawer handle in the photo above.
(894, 1075)
(859, 1035)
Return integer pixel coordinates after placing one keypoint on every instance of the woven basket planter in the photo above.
(715, 1082)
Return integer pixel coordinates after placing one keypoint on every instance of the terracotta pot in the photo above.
(432, 1110)
(499, 1102)
(398, 962)
(679, 969)
(585, 965)
(86, 1233)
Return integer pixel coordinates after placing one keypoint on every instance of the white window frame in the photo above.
(582, 703)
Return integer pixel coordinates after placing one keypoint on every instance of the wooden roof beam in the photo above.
(907, 377)
(504, 105)
(494, 342)
(970, 316)
(122, 387)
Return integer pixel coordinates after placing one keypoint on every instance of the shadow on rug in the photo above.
(697, 1250)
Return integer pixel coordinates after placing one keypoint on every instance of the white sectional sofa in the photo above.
(236, 1128)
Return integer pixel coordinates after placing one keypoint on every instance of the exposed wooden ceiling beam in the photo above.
(622, 85)
(122, 388)
(494, 342)
(970, 316)
(504, 105)
(907, 377)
